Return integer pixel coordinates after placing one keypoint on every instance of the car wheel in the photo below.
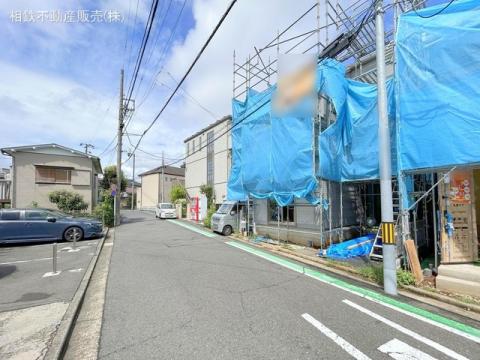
(227, 230)
(73, 233)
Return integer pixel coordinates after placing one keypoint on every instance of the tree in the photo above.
(207, 190)
(68, 201)
(178, 192)
(110, 177)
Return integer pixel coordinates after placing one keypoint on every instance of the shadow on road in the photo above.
(6, 270)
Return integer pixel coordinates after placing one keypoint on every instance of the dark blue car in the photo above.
(25, 225)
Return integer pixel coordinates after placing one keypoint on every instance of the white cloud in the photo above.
(37, 107)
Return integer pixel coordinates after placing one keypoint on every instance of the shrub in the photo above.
(105, 211)
(372, 273)
(68, 201)
(207, 222)
(405, 278)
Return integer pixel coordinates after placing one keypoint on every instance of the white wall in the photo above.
(196, 163)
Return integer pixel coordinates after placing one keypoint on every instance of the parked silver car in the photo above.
(26, 225)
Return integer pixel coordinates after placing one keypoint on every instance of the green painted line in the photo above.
(367, 293)
(193, 228)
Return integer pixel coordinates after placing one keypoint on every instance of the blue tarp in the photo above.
(360, 246)
(438, 86)
(272, 157)
(349, 148)
(433, 107)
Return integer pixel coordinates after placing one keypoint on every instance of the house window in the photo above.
(187, 148)
(286, 213)
(193, 146)
(200, 143)
(52, 175)
(210, 156)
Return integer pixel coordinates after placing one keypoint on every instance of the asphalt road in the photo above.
(173, 293)
(24, 273)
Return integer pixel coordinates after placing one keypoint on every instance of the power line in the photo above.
(432, 15)
(146, 35)
(188, 71)
(364, 20)
(160, 58)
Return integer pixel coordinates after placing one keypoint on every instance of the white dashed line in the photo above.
(345, 345)
(408, 332)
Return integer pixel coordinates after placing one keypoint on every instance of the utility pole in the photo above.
(388, 233)
(86, 146)
(119, 153)
(163, 177)
(133, 180)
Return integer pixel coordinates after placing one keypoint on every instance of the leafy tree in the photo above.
(178, 192)
(207, 190)
(68, 201)
(110, 177)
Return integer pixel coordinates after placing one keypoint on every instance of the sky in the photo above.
(60, 79)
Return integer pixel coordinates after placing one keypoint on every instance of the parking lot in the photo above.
(25, 273)
(33, 298)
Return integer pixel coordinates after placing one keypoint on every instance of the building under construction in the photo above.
(336, 197)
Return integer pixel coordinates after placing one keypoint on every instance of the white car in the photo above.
(165, 211)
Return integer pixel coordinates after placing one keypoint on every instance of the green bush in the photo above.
(105, 211)
(405, 278)
(207, 222)
(375, 274)
(68, 201)
(372, 273)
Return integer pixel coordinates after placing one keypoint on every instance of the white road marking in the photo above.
(408, 332)
(25, 261)
(349, 348)
(75, 270)
(51, 273)
(415, 316)
(107, 244)
(398, 350)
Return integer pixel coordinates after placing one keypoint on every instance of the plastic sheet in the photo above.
(272, 157)
(437, 86)
(349, 147)
(360, 246)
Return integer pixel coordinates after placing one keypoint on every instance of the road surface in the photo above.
(174, 293)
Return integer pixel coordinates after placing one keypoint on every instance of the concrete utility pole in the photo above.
(119, 153)
(163, 176)
(133, 180)
(86, 146)
(388, 233)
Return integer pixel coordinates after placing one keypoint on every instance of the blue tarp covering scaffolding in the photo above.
(272, 157)
(438, 86)
(433, 106)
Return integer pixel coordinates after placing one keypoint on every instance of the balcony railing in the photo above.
(5, 191)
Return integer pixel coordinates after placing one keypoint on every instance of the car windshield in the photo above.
(224, 209)
(166, 206)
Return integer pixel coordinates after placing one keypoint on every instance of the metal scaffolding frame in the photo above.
(318, 29)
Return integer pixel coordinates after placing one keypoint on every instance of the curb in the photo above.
(468, 310)
(59, 343)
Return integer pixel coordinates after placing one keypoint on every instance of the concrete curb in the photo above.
(468, 310)
(57, 348)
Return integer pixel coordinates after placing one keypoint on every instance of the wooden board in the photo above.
(413, 261)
